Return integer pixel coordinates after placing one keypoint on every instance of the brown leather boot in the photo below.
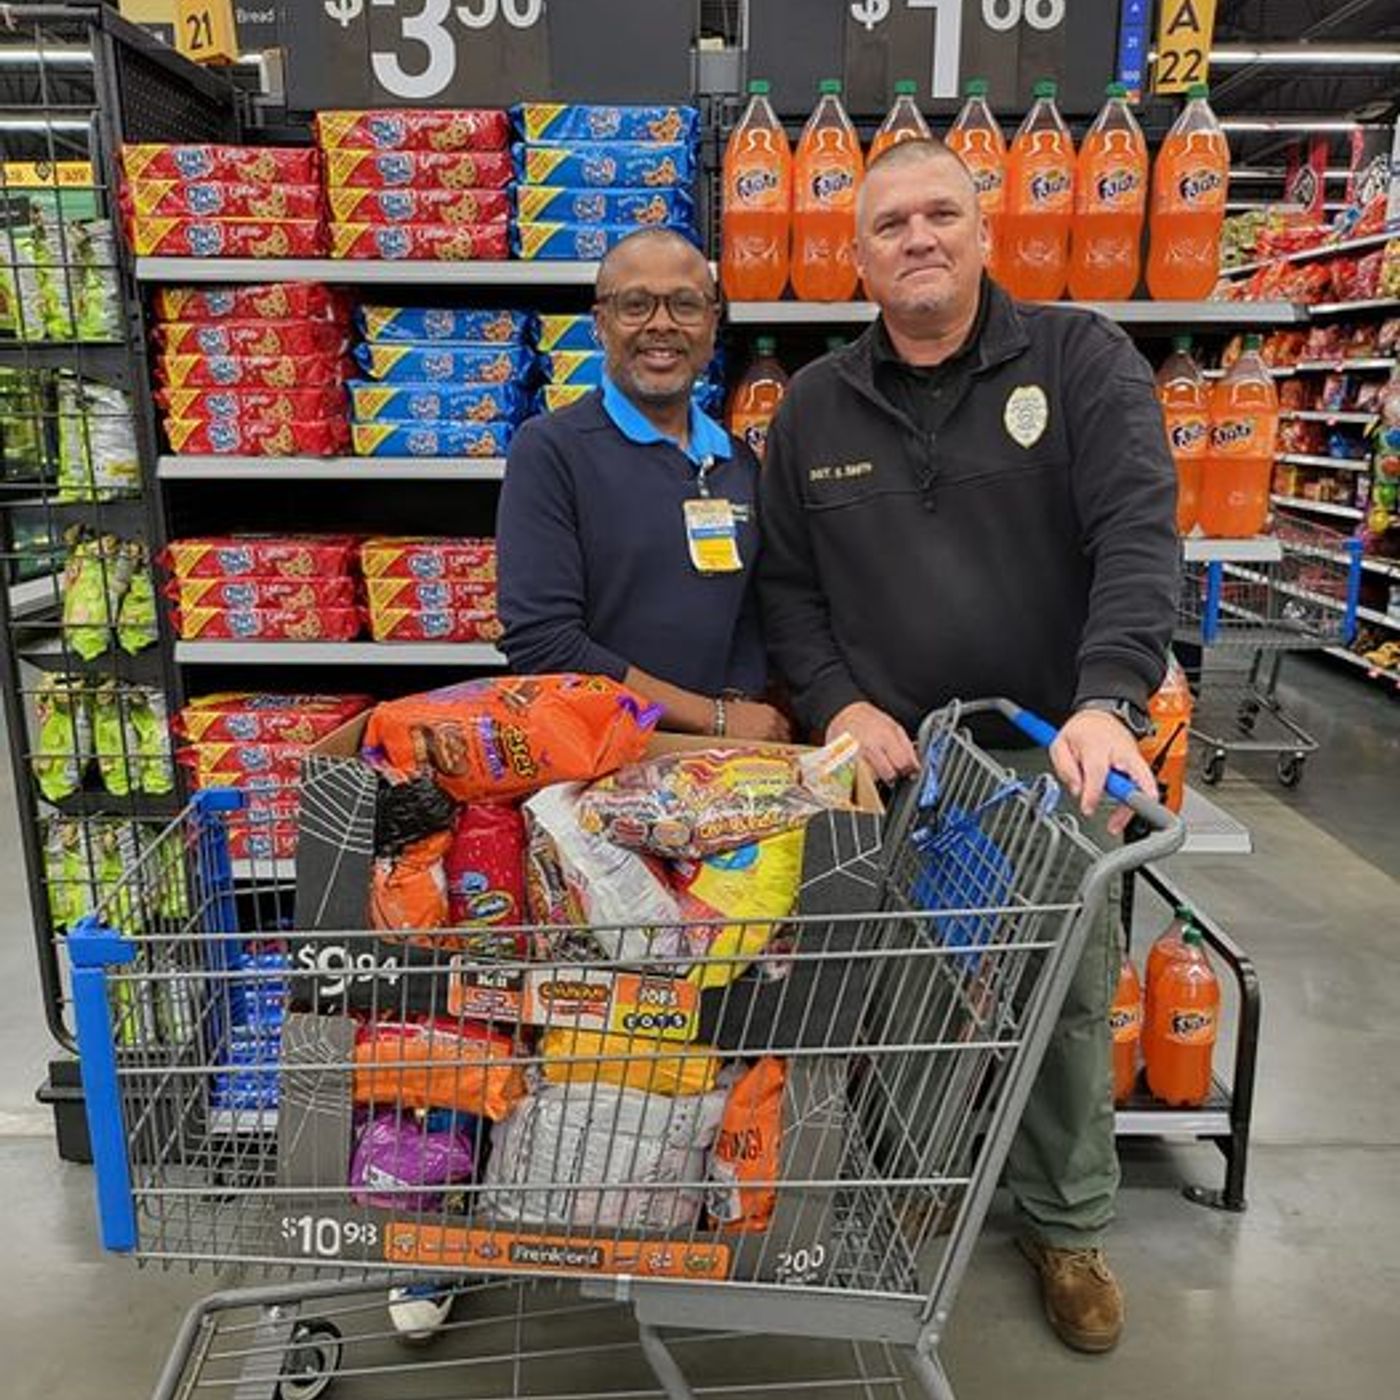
(1082, 1299)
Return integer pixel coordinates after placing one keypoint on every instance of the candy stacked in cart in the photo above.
(257, 370)
(207, 201)
(413, 184)
(440, 382)
(590, 175)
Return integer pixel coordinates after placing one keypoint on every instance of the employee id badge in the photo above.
(712, 536)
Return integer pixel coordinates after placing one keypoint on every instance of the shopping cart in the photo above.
(801, 1141)
(1245, 606)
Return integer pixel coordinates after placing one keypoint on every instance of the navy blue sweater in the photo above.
(594, 572)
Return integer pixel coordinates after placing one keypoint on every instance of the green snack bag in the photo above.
(62, 901)
(151, 732)
(116, 753)
(57, 277)
(28, 301)
(65, 736)
(87, 618)
(172, 894)
(97, 456)
(137, 626)
(99, 299)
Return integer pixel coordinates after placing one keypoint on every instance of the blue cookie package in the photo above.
(431, 439)
(444, 364)
(374, 402)
(566, 333)
(557, 121)
(573, 367)
(643, 208)
(627, 165)
(402, 324)
(576, 242)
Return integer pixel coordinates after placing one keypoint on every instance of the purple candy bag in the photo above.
(394, 1151)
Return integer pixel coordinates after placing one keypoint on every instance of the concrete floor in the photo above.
(1299, 1297)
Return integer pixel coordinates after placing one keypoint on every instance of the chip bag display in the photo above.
(408, 891)
(457, 1065)
(97, 455)
(95, 580)
(503, 738)
(747, 1149)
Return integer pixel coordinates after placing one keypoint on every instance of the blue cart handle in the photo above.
(1118, 785)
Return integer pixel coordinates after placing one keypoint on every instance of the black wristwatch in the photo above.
(1137, 721)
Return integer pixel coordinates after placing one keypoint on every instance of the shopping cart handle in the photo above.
(1118, 785)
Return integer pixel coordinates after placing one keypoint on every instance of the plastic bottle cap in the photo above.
(1116, 90)
(1198, 91)
(976, 87)
(905, 87)
(830, 87)
(766, 345)
(760, 87)
(1046, 87)
(835, 342)
(1253, 341)
(1181, 342)
(1192, 936)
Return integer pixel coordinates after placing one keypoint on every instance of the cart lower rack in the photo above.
(735, 1128)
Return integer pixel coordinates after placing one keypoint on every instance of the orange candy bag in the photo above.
(746, 1150)
(505, 738)
(437, 1064)
(409, 890)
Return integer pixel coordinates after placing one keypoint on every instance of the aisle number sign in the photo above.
(204, 31)
(1184, 34)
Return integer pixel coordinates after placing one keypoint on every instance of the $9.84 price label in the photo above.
(415, 55)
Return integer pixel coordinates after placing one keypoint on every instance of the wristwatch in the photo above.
(1133, 717)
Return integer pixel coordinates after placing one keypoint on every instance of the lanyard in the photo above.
(702, 475)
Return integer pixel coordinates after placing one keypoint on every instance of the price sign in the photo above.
(404, 53)
(204, 31)
(1183, 45)
(940, 44)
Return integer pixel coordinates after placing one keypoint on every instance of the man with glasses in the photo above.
(627, 534)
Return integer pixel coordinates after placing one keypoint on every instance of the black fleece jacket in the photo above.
(1027, 548)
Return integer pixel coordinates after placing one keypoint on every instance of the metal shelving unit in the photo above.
(1349, 308)
(1359, 661)
(1373, 362)
(1334, 464)
(1318, 507)
(1322, 415)
(367, 469)
(1129, 313)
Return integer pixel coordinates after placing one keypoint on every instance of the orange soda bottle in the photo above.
(1166, 748)
(1185, 398)
(1110, 201)
(756, 397)
(827, 172)
(1164, 951)
(904, 123)
(1187, 1014)
(1034, 256)
(1243, 431)
(1188, 204)
(756, 223)
(976, 138)
(1125, 1025)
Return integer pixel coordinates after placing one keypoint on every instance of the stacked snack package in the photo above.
(258, 370)
(439, 382)
(255, 743)
(431, 590)
(293, 588)
(431, 185)
(589, 176)
(223, 201)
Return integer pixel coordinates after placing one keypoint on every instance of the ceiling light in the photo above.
(39, 125)
(1303, 55)
(1317, 124)
(68, 57)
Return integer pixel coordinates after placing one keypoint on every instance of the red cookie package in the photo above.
(227, 238)
(261, 556)
(426, 242)
(427, 596)
(262, 717)
(334, 592)
(222, 200)
(425, 558)
(449, 625)
(249, 371)
(315, 437)
(291, 337)
(273, 301)
(407, 129)
(267, 165)
(357, 206)
(214, 764)
(253, 405)
(420, 170)
(267, 624)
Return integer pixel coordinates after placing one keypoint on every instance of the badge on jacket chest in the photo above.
(1027, 413)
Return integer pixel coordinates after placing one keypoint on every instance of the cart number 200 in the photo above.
(325, 1236)
(797, 1265)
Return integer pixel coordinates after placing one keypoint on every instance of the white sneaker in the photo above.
(419, 1310)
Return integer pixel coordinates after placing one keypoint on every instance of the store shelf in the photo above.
(367, 272)
(1262, 549)
(1143, 1116)
(1387, 568)
(1210, 830)
(1374, 362)
(1378, 618)
(99, 356)
(1277, 371)
(34, 596)
(337, 654)
(1337, 464)
(1328, 250)
(1142, 313)
(1321, 415)
(371, 469)
(1350, 308)
(1376, 672)
(1320, 507)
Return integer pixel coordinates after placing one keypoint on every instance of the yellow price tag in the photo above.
(1184, 34)
(204, 31)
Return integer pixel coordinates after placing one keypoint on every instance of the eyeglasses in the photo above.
(636, 306)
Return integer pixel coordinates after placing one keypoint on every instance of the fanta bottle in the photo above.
(1185, 398)
(1034, 258)
(756, 224)
(1188, 204)
(1166, 748)
(1187, 1022)
(904, 123)
(1110, 200)
(1243, 430)
(757, 396)
(826, 175)
(1163, 952)
(976, 139)
(1125, 1024)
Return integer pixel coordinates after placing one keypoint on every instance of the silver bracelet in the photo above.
(721, 718)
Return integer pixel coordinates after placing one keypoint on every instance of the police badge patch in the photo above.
(1027, 413)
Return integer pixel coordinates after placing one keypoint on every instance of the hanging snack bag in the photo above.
(137, 627)
(747, 1149)
(65, 735)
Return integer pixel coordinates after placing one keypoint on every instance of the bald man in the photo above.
(977, 498)
(627, 535)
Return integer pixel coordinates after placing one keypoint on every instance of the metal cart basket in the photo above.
(1246, 604)
(733, 1128)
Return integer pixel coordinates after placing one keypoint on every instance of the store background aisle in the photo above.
(1294, 1298)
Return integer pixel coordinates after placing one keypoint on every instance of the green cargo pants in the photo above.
(1062, 1169)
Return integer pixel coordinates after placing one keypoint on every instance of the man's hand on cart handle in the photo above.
(883, 743)
(1091, 743)
(753, 720)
